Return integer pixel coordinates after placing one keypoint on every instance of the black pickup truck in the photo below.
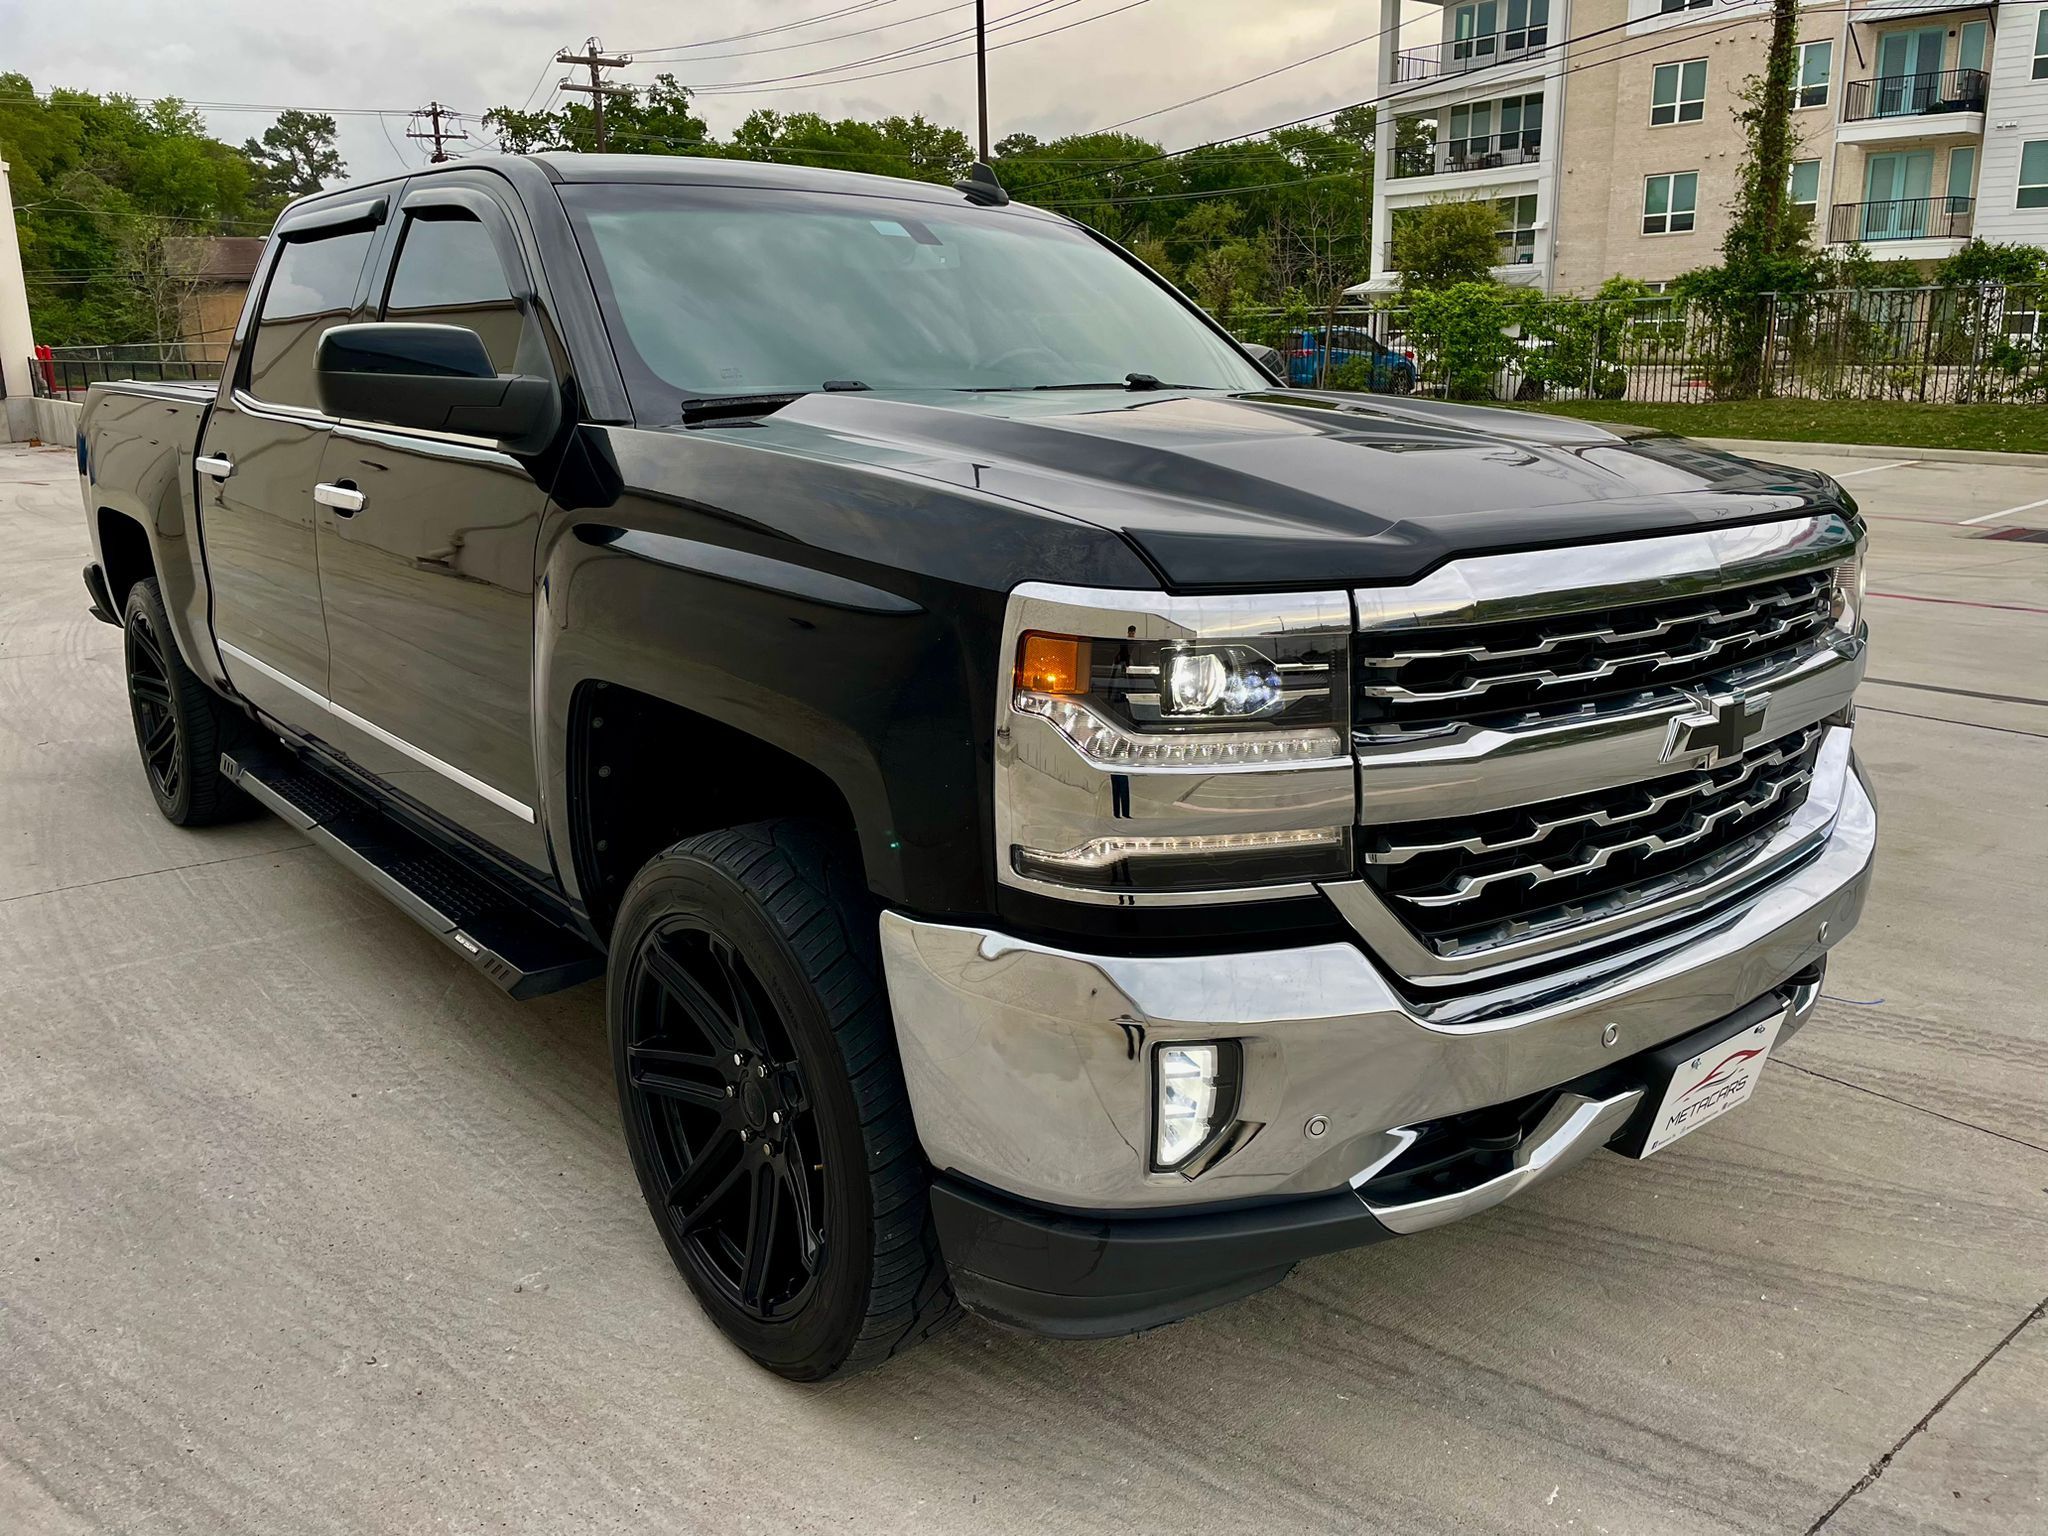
(1069, 826)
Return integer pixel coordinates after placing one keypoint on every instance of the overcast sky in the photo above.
(398, 54)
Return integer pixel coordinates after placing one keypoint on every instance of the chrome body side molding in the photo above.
(476, 786)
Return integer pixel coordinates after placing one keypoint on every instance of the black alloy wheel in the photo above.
(149, 696)
(764, 1102)
(720, 1100)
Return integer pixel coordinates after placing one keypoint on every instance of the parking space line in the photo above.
(2025, 506)
(1877, 468)
(1959, 602)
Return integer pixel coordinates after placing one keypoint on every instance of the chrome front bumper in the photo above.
(1029, 1069)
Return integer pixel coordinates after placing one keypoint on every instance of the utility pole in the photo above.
(433, 112)
(981, 70)
(594, 59)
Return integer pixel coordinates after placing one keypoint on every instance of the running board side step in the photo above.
(520, 950)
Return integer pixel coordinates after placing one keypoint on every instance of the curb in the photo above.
(1762, 447)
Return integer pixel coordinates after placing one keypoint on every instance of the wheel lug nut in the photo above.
(738, 1060)
(776, 1116)
(760, 1069)
(745, 1134)
(730, 1090)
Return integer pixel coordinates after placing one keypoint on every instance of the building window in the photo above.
(1669, 202)
(1806, 188)
(1678, 92)
(2041, 46)
(1518, 230)
(2034, 174)
(1671, 6)
(1962, 178)
(1528, 25)
(1816, 63)
(1970, 40)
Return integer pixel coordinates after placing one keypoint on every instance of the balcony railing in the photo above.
(1907, 218)
(1465, 54)
(1517, 249)
(1950, 90)
(1487, 153)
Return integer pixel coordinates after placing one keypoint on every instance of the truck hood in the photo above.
(1295, 488)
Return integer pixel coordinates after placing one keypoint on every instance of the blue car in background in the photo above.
(1310, 358)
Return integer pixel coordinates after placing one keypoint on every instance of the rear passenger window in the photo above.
(448, 273)
(312, 288)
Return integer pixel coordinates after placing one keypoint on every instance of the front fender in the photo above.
(867, 683)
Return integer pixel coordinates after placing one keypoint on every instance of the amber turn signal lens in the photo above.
(1056, 664)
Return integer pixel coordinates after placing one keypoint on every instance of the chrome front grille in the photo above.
(1478, 881)
(1418, 681)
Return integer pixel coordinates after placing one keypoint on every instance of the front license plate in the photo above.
(1710, 1084)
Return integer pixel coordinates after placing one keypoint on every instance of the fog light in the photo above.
(1197, 1092)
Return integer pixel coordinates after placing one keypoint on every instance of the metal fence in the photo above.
(65, 373)
(1934, 345)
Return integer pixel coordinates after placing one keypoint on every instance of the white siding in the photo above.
(2017, 111)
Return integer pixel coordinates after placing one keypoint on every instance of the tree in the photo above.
(101, 185)
(1448, 242)
(1462, 331)
(295, 156)
(654, 120)
(1766, 228)
(1982, 261)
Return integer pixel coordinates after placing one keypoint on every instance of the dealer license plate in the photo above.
(1708, 1085)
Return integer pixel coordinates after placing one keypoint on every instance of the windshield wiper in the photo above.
(721, 407)
(1130, 381)
(732, 407)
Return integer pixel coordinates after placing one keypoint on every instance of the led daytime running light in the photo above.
(1102, 741)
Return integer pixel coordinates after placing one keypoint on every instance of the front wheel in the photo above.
(764, 1104)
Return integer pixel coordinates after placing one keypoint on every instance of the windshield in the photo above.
(745, 291)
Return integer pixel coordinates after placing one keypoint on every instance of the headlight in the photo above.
(1851, 577)
(1160, 748)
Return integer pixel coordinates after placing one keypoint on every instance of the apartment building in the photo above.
(1605, 131)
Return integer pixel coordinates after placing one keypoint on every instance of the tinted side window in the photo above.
(312, 288)
(448, 273)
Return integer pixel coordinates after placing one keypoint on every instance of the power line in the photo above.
(786, 26)
(816, 42)
(950, 58)
(1409, 90)
(1029, 12)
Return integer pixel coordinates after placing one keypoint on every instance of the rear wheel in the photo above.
(1403, 382)
(763, 1102)
(181, 725)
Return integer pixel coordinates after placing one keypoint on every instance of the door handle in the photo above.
(217, 465)
(345, 499)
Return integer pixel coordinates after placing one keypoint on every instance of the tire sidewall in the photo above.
(818, 1338)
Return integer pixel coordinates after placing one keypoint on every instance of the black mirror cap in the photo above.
(433, 378)
(401, 347)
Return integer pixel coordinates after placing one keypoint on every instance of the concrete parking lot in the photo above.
(305, 1228)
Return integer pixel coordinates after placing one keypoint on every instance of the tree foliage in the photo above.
(295, 156)
(103, 187)
(1446, 243)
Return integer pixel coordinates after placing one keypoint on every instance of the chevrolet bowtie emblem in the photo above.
(1719, 726)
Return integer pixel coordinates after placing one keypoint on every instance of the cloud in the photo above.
(398, 54)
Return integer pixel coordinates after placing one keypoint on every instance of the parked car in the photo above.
(1056, 842)
(1314, 359)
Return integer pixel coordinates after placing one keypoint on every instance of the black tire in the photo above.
(181, 725)
(761, 1093)
(1402, 383)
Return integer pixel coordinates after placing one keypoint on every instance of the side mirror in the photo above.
(435, 378)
